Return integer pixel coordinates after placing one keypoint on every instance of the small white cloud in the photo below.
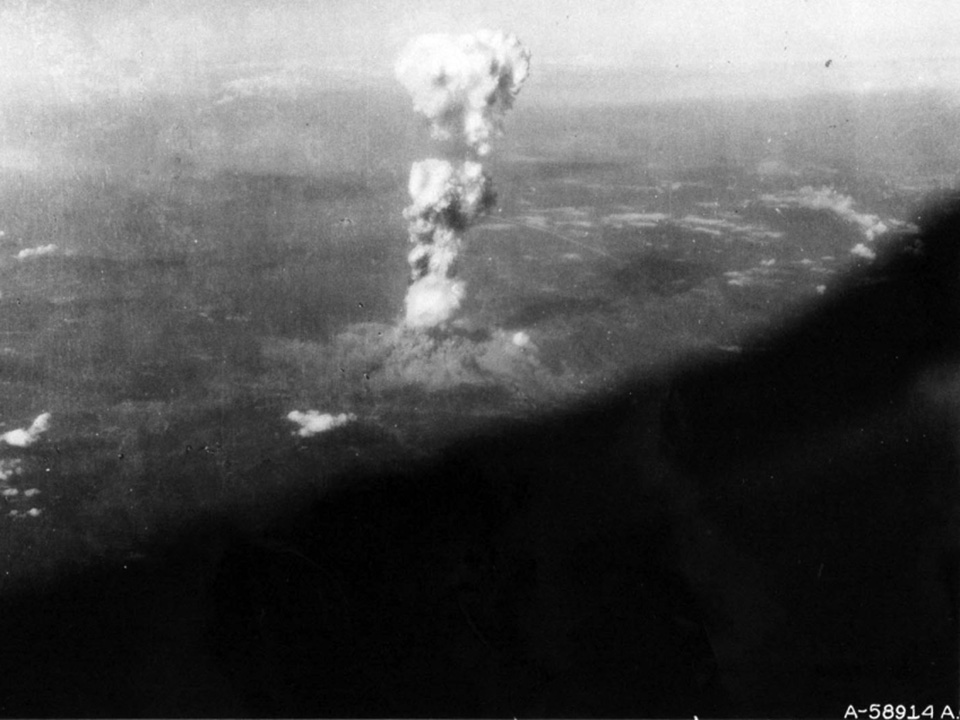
(9, 468)
(877, 228)
(314, 422)
(17, 438)
(636, 219)
(34, 512)
(521, 339)
(25, 437)
(31, 492)
(36, 251)
(861, 250)
(821, 289)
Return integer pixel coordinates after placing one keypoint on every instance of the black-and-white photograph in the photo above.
(451, 358)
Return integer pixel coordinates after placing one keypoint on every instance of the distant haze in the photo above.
(603, 51)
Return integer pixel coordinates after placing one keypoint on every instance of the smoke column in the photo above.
(463, 85)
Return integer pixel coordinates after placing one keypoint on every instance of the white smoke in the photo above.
(446, 200)
(463, 85)
(432, 301)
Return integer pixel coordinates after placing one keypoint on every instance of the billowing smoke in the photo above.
(463, 85)
(446, 200)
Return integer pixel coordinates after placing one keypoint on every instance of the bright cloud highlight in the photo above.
(313, 422)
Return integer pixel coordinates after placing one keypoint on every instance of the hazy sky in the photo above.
(739, 46)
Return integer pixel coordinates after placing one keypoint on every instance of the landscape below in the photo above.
(181, 279)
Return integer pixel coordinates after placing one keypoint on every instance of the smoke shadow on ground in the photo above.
(767, 533)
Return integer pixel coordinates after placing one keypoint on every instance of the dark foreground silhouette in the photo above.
(768, 533)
